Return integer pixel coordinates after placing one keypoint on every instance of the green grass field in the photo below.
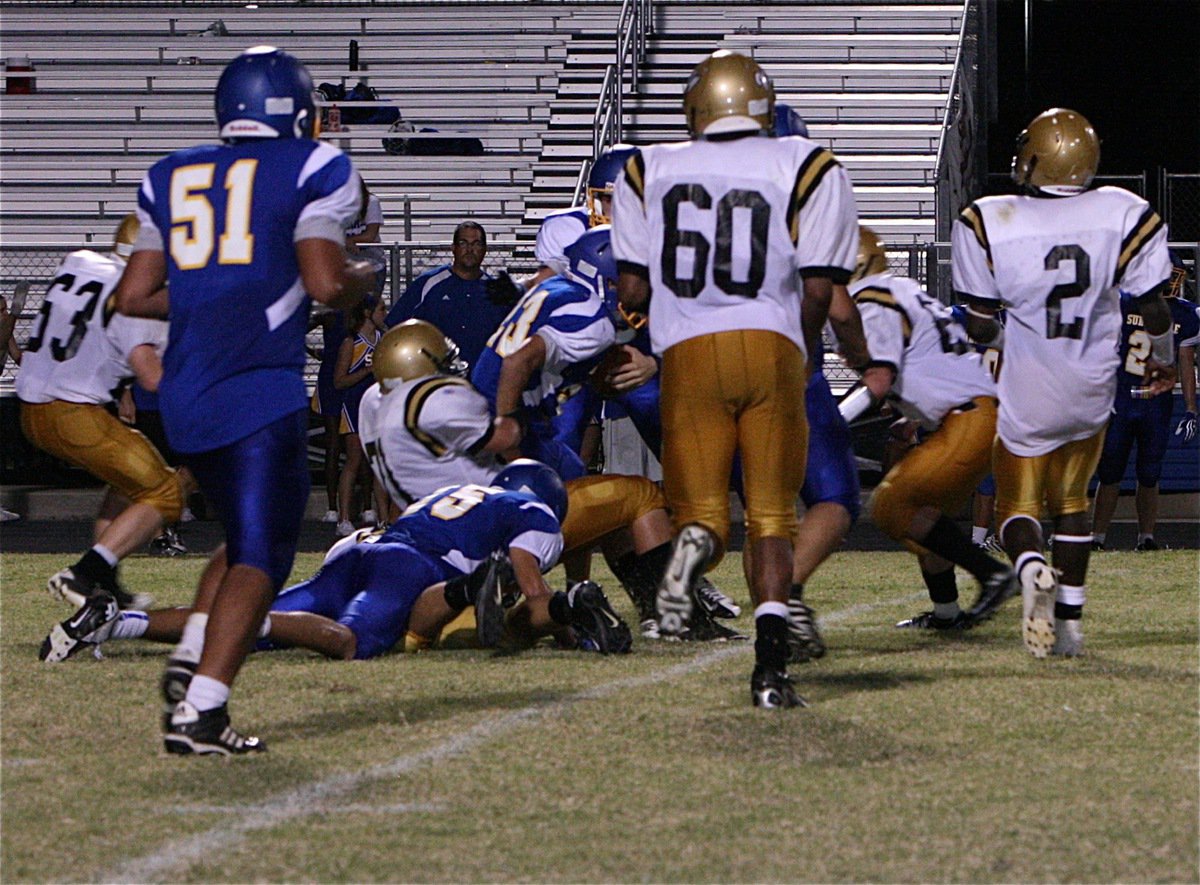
(922, 758)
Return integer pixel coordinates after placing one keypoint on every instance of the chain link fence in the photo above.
(1181, 205)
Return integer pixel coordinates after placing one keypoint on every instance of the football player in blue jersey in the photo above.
(1145, 421)
(244, 233)
(547, 347)
(454, 551)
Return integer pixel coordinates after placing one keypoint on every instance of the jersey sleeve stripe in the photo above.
(635, 175)
(973, 218)
(884, 298)
(412, 412)
(1147, 226)
(808, 177)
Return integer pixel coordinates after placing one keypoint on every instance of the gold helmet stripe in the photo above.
(635, 175)
(884, 298)
(1147, 226)
(973, 218)
(412, 412)
(811, 171)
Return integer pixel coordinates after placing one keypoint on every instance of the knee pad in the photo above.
(890, 511)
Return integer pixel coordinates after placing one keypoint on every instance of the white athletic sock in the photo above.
(192, 642)
(106, 554)
(265, 630)
(130, 625)
(206, 693)
(978, 534)
(1068, 595)
(946, 610)
(772, 608)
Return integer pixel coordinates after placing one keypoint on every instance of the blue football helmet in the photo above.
(265, 93)
(590, 260)
(534, 477)
(788, 122)
(601, 179)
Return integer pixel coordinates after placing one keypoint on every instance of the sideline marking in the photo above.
(172, 858)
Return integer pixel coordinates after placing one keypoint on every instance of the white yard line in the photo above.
(171, 860)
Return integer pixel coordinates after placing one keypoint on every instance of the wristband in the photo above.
(856, 403)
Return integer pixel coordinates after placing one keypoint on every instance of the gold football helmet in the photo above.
(871, 257)
(728, 92)
(1058, 152)
(415, 349)
(127, 232)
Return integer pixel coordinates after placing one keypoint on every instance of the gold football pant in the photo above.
(726, 392)
(598, 505)
(87, 436)
(1058, 478)
(941, 472)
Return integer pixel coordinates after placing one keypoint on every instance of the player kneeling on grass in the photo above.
(921, 358)
(460, 549)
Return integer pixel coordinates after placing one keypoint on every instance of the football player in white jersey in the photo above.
(1054, 259)
(921, 358)
(740, 238)
(80, 352)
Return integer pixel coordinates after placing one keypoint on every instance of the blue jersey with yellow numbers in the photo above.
(1135, 345)
(228, 217)
(464, 524)
(578, 329)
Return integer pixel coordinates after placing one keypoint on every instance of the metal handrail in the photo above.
(954, 78)
(634, 22)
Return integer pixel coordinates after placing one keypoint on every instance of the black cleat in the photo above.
(168, 544)
(716, 603)
(773, 690)
(90, 625)
(597, 627)
(1149, 545)
(804, 639)
(206, 734)
(930, 621)
(1098, 546)
(489, 599)
(174, 685)
(66, 586)
(994, 592)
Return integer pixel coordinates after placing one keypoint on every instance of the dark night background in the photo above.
(1132, 68)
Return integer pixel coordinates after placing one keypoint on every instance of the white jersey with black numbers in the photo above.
(724, 228)
(79, 350)
(1056, 264)
(915, 334)
(425, 434)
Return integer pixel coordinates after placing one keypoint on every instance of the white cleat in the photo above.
(1039, 586)
(1068, 638)
(689, 556)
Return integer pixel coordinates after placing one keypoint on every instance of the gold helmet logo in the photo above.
(1058, 153)
(871, 257)
(127, 232)
(728, 92)
(414, 349)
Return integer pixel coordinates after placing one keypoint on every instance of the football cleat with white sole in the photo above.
(804, 639)
(1068, 638)
(91, 625)
(191, 732)
(1039, 586)
(597, 627)
(173, 686)
(168, 544)
(714, 601)
(73, 589)
(649, 628)
(676, 592)
(773, 690)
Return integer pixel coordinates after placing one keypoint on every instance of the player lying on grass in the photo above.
(459, 549)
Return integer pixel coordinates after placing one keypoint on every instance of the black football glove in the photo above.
(502, 290)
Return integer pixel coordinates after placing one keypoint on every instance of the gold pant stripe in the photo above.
(1059, 479)
(941, 472)
(87, 436)
(723, 393)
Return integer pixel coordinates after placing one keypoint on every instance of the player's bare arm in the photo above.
(147, 366)
(814, 311)
(634, 372)
(329, 277)
(1160, 367)
(848, 327)
(528, 573)
(506, 434)
(142, 290)
(516, 370)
